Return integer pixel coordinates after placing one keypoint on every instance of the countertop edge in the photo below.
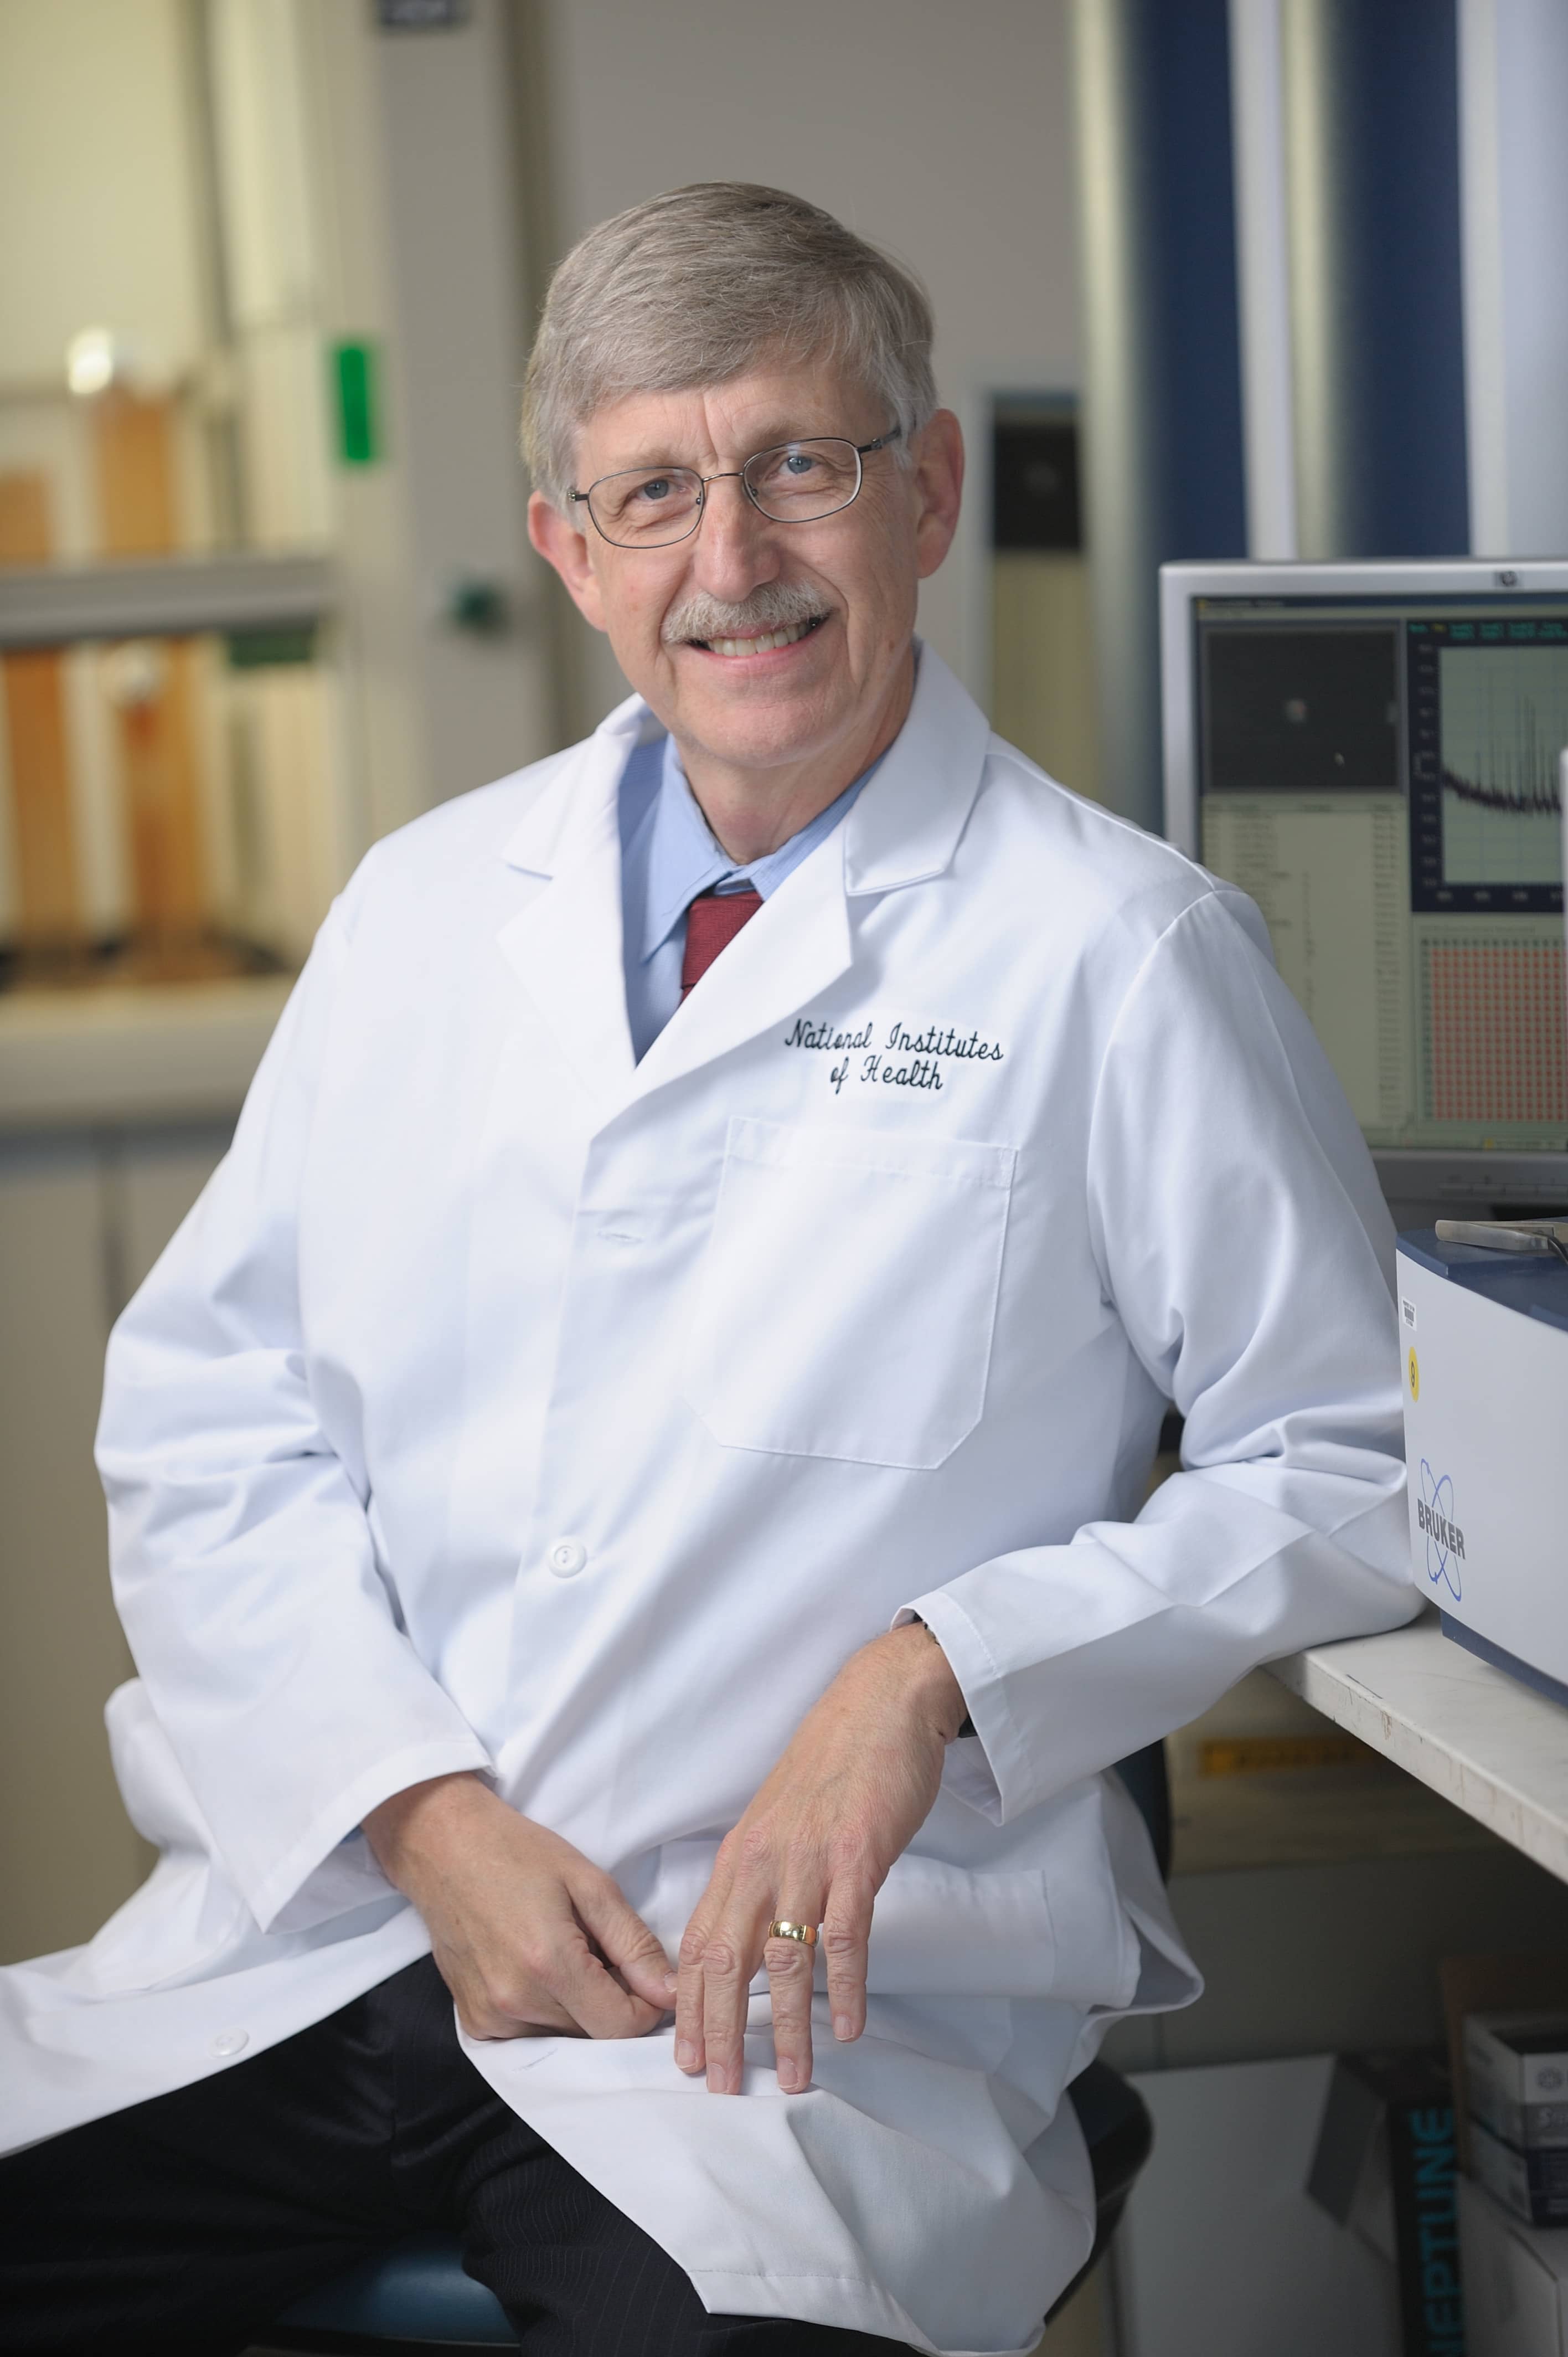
(126, 1055)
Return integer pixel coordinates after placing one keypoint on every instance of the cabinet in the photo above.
(108, 1133)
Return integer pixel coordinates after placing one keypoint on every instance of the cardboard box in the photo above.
(1221, 2252)
(1350, 2176)
(1516, 2281)
(1535, 1983)
(1383, 2167)
(1516, 2075)
(1534, 2185)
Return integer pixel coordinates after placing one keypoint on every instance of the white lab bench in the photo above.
(1483, 1740)
(1320, 1899)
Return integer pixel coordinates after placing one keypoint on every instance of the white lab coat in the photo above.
(506, 1404)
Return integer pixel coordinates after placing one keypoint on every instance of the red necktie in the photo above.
(713, 921)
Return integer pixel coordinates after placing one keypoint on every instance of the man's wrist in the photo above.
(406, 1825)
(947, 1693)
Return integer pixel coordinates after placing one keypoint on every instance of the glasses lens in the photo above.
(646, 506)
(801, 480)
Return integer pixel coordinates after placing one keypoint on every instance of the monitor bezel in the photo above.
(1419, 1181)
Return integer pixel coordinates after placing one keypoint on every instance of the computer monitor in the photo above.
(1372, 751)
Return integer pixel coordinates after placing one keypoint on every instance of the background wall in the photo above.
(938, 132)
(99, 99)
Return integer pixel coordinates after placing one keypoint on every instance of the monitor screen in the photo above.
(1376, 763)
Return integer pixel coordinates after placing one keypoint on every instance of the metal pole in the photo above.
(1162, 409)
(1122, 487)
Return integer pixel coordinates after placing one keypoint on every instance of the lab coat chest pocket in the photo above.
(848, 1292)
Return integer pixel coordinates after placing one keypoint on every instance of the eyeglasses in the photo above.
(794, 482)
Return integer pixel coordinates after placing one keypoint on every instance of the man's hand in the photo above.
(530, 1936)
(847, 1797)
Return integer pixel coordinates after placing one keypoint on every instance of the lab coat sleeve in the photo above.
(240, 1552)
(1241, 1238)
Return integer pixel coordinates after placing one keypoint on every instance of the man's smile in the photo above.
(776, 615)
(770, 642)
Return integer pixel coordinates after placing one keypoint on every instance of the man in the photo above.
(637, 1455)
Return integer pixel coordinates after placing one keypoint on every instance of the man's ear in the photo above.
(564, 546)
(939, 474)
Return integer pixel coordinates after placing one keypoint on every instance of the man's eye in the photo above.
(790, 470)
(656, 487)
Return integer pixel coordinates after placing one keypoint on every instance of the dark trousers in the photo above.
(189, 2224)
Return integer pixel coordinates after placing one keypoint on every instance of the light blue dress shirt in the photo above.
(669, 854)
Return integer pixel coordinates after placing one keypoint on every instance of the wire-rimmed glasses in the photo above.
(792, 482)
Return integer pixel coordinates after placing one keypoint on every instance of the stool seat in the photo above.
(1116, 2128)
(414, 2291)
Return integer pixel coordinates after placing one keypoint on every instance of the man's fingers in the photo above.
(592, 1995)
(484, 2020)
(605, 2010)
(845, 1936)
(492, 2007)
(729, 1959)
(791, 1969)
(691, 2053)
(626, 1942)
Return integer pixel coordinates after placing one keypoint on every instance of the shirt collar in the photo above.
(666, 837)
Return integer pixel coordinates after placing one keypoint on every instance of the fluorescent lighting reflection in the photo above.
(92, 358)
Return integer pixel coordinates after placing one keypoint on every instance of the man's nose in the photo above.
(734, 552)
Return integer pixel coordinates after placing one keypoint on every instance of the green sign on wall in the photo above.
(358, 403)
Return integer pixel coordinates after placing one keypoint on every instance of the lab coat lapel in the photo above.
(798, 943)
(564, 945)
(902, 829)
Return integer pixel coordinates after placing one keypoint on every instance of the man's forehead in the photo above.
(696, 423)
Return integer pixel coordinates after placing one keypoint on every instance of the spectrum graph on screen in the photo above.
(1503, 720)
(1488, 717)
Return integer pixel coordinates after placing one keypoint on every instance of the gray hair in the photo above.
(702, 285)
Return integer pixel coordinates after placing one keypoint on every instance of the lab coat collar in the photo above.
(905, 827)
(565, 945)
(550, 831)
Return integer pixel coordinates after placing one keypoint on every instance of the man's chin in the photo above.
(750, 724)
(776, 741)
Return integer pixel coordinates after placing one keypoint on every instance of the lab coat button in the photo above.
(231, 2041)
(567, 1557)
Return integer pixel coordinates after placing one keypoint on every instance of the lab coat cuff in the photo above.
(282, 1893)
(967, 1772)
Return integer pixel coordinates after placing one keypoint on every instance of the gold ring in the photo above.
(805, 1933)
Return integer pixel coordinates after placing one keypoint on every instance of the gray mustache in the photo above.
(776, 606)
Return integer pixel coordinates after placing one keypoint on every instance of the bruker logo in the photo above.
(1444, 1539)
